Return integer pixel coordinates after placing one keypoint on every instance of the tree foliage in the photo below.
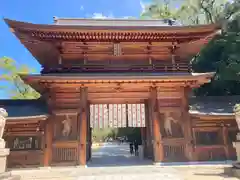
(9, 75)
(222, 54)
(159, 10)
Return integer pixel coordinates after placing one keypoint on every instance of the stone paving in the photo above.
(128, 173)
(112, 162)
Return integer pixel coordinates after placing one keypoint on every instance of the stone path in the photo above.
(127, 173)
(112, 154)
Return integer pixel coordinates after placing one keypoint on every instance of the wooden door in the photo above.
(65, 139)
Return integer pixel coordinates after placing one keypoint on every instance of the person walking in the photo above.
(136, 148)
(131, 148)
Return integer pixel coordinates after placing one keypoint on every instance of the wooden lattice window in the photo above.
(208, 138)
(24, 143)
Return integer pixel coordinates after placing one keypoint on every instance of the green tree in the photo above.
(202, 11)
(159, 10)
(16, 88)
(221, 54)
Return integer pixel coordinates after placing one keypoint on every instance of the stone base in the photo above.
(236, 172)
(3, 159)
(8, 176)
(236, 145)
(2, 144)
(236, 165)
(232, 171)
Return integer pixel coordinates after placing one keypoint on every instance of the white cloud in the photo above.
(101, 16)
(81, 8)
(129, 17)
(143, 5)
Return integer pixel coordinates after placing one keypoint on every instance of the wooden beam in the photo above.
(101, 57)
(206, 129)
(103, 87)
(168, 94)
(116, 101)
(25, 125)
(133, 52)
(104, 45)
(36, 129)
(65, 144)
(23, 133)
(100, 83)
(114, 95)
(96, 95)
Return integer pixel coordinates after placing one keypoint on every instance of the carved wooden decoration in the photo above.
(67, 126)
(171, 124)
(168, 120)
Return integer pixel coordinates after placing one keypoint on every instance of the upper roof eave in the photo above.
(114, 24)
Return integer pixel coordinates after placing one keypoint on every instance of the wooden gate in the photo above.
(117, 115)
(65, 141)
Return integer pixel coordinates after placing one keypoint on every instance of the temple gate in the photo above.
(132, 67)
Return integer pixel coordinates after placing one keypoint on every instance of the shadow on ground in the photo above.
(111, 155)
(109, 161)
(225, 172)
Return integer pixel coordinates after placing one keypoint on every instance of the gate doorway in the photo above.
(117, 115)
(117, 125)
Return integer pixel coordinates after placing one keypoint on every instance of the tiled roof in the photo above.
(213, 105)
(115, 22)
(21, 108)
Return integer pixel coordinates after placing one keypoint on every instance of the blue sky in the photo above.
(42, 11)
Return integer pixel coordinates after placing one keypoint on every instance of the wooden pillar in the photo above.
(83, 128)
(90, 145)
(158, 154)
(48, 134)
(89, 135)
(148, 143)
(225, 141)
(143, 137)
(83, 138)
(142, 129)
(187, 126)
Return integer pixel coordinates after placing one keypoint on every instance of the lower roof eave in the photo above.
(212, 115)
(27, 118)
(192, 114)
